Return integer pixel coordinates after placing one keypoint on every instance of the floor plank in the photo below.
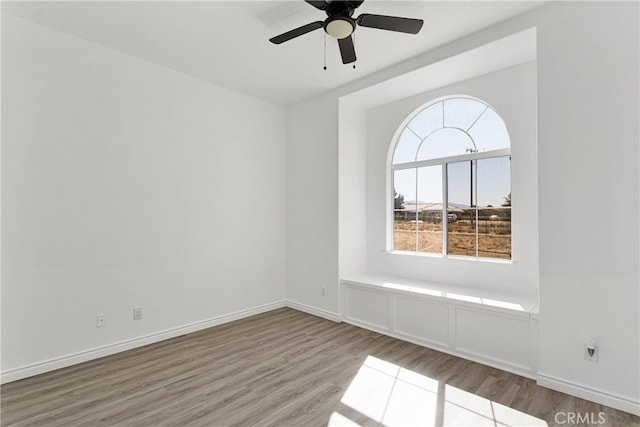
(286, 368)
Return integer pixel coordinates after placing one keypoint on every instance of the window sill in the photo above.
(520, 305)
(460, 259)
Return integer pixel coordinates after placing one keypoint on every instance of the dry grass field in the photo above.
(494, 238)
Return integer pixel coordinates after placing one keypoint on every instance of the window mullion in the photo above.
(392, 220)
(445, 206)
(474, 196)
(476, 120)
(416, 214)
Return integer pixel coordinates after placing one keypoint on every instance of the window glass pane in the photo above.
(460, 186)
(461, 112)
(427, 120)
(490, 132)
(404, 210)
(430, 209)
(407, 147)
(494, 233)
(494, 200)
(494, 181)
(461, 236)
(443, 143)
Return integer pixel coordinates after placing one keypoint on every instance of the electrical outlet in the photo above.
(101, 320)
(593, 355)
(137, 313)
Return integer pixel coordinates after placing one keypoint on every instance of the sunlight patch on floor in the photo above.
(462, 408)
(371, 388)
(339, 420)
(394, 396)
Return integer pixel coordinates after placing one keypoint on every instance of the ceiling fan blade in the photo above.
(390, 23)
(296, 32)
(355, 3)
(347, 50)
(320, 4)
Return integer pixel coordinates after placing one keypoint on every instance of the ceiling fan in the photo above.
(340, 24)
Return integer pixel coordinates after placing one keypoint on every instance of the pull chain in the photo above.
(353, 38)
(325, 51)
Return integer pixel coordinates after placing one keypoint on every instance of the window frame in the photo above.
(444, 162)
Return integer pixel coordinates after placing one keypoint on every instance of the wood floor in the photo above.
(286, 368)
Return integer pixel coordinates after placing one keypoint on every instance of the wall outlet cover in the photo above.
(591, 356)
(101, 320)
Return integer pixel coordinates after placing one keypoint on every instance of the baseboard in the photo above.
(523, 371)
(95, 353)
(335, 317)
(613, 400)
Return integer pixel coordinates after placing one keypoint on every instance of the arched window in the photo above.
(452, 159)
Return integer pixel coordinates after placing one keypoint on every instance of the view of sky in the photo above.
(450, 128)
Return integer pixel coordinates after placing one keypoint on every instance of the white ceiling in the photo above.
(226, 42)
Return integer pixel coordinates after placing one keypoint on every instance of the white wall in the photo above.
(352, 184)
(587, 69)
(512, 93)
(127, 184)
(312, 204)
(588, 150)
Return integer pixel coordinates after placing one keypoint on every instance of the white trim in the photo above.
(334, 317)
(385, 330)
(603, 397)
(525, 367)
(503, 364)
(474, 357)
(439, 293)
(109, 349)
(500, 152)
(424, 342)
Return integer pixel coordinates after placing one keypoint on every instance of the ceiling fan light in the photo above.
(339, 28)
